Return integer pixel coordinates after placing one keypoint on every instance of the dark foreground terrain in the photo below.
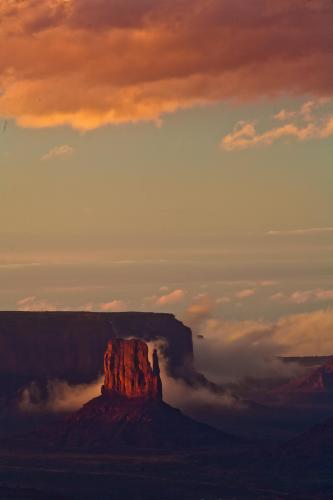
(153, 475)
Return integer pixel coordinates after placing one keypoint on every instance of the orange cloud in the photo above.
(87, 64)
(171, 298)
(243, 294)
(303, 296)
(246, 136)
(32, 303)
(113, 306)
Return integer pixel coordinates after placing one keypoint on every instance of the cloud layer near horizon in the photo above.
(87, 64)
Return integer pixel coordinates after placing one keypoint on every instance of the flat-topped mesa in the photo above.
(128, 372)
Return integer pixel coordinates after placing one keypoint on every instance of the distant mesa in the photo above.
(130, 411)
(318, 380)
(311, 390)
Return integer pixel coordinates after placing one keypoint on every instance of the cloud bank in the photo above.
(230, 350)
(33, 303)
(88, 64)
(303, 296)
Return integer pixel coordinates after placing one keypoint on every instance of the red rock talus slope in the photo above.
(105, 423)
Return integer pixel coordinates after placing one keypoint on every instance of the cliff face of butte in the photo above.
(128, 372)
(130, 411)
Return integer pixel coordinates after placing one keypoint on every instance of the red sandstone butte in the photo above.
(130, 412)
(128, 372)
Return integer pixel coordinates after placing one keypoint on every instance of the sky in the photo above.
(171, 155)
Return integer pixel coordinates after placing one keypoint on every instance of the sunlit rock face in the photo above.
(128, 372)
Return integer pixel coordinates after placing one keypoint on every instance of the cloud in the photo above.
(61, 396)
(305, 112)
(284, 115)
(303, 296)
(306, 334)
(58, 152)
(302, 231)
(232, 350)
(19, 265)
(171, 298)
(188, 397)
(278, 296)
(32, 303)
(113, 306)
(178, 393)
(199, 311)
(88, 64)
(223, 300)
(265, 283)
(245, 135)
(243, 294)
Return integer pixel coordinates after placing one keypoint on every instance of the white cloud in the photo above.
(58, 152)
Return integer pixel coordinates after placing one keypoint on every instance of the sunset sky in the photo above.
(170, 155)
